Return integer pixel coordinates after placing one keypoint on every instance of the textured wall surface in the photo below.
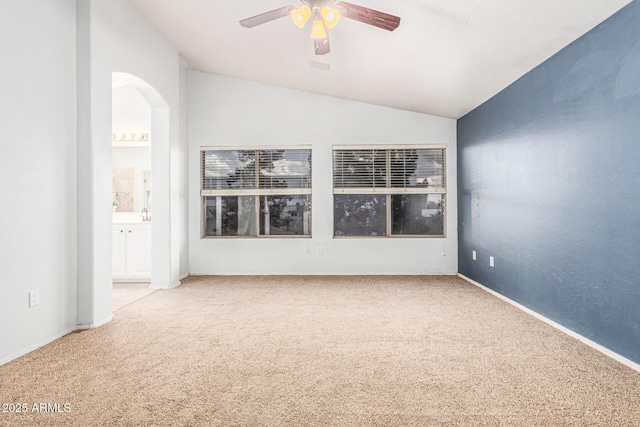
(37, 174)
(233, 112)
(549, 184)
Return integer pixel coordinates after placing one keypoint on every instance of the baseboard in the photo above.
(85, 327)
(184, 276)
(175, 285)
(619, 358)
(360, 274)
(49, 340)
(131, 280)
(36, 346)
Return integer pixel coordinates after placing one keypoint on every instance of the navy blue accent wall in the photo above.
(549, 184)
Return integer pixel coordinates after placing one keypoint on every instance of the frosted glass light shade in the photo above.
(317, 30)
(300, 16)
(330, 16)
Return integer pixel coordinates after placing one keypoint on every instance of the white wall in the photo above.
(117, 38)
(130, 112)
(227, 111)
(37, 173)
(183, 171)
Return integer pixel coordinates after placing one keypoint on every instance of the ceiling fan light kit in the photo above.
(330, 16)
(317, 29)
(325, 16)
(300, 16)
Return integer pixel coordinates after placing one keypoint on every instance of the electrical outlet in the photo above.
(34, 298)
(492, 262)
(319, 250)
(473, 255)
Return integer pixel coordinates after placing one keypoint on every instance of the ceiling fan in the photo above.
(325, 14)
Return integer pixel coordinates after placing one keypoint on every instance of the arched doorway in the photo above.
(132, 144)
(160, 198)
(95, 216)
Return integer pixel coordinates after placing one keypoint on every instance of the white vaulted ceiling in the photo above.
(446, 58)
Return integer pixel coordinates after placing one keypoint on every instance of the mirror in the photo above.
(131, 190)
(123, 189)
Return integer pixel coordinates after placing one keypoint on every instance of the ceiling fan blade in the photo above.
(321, 46)
(266, 17)
(369, 16)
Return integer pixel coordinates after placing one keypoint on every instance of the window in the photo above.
(256, 192)
(389, 191)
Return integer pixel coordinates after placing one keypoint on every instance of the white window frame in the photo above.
(257, 192)
(389, 191)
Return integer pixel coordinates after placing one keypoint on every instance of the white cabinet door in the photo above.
(118, 251)
(138, 251)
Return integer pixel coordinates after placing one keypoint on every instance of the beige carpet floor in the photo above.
(315, 351)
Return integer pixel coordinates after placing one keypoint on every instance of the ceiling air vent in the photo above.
(320, 65)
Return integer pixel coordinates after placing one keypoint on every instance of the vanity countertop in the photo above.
(128, 218)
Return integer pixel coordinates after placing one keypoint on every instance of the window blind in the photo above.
(236, 169)
(228, 169)
(419, 169)
(284, 169)
(360, 168)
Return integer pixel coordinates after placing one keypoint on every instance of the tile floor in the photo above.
(125, 293)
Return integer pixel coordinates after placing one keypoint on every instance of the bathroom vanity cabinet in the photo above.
(131, 251)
